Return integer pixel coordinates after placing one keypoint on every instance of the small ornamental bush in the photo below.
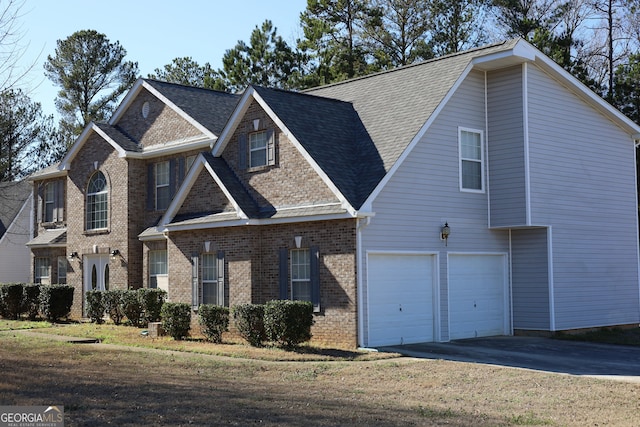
(11, 295)
(55, 301)
(31, 300)
(112, 300)
(214, 320)
(288, 323)
(176, 319)
(151, 300)
(249, 320)
(131, 306)
(95, 306)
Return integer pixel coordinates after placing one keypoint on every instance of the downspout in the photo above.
(362, 221)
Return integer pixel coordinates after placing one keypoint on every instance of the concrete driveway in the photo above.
(543, 354)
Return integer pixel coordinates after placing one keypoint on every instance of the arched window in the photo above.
(97, 202)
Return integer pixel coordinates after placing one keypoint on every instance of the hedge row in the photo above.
(138, 306)
(284, 323)
(53, 302)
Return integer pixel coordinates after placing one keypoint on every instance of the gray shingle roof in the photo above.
(54, 237)
(394, 105)
(13, 195)
(233, 184)
(119, 137)
(210, 108)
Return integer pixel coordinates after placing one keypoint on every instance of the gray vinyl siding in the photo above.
(424, 193)
(506, 148)
(582, 174)
(530, 279)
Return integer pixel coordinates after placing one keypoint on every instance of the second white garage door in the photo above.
(478, 304)
(400, 297)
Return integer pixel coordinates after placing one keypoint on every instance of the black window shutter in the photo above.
(172, 179)
(40, 201)
(59, 208)
(242, 151)
(315, 278)
(220, 268)
(195, 282)
(151, 187)
(180, 171)
(284, 273)
(271, 148)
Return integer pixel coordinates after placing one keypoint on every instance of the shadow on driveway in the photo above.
(543, 354)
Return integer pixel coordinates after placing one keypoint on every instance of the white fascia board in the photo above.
(566, 78)
(183, 191)
(367, 206)
(65, 163)
(243, 105)
(254, 222)
(174, 147)
(126, 101)
(57, 173)
(343, 200)
(226, 192)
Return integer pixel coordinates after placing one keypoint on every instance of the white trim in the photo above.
(12, 225)
(486, 147)
(141, 83)
(367, 205)
(237, 116)
(525, 128)
(483, 156)
(173, 147)
(552, 300)
(65, 163)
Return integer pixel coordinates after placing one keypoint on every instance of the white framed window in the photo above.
(158, 269)
(97, 202)
(300, 274)
(471, 152)
(162, 179)
(62, 270)
(258, 149)
(49, 201)
(210, 286)
(42, 270)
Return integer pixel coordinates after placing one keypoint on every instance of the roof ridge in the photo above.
(162, 82)
(415, 64)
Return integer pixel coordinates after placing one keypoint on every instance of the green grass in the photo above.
(12, 325)
(617, 336)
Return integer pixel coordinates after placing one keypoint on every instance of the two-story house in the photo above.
(483, 193)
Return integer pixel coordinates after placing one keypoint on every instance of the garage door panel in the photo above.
(400, 296)
(476, 296)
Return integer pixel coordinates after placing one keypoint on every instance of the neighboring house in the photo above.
(482, 193)
(15, 231)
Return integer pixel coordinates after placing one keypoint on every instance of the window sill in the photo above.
(260, 168)
(96, 232)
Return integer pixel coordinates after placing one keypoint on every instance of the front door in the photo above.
(95, 273)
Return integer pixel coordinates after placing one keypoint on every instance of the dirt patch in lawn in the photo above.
(99, 386)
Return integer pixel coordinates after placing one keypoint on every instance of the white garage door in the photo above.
(478, 305)
(400, 299)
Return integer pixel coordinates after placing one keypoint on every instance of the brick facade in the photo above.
(252, 268)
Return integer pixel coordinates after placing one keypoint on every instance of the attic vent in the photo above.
(145, 109)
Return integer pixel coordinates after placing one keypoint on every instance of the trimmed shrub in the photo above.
(11, 295)
(288, 323)
(112, 300)
(31, 300)
(214, 320)
(55, 301)
(131, 306)
(95, 306)
(249, 320)
(151, 300)
(176, 319)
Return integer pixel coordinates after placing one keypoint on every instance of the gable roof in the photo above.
(13, 196)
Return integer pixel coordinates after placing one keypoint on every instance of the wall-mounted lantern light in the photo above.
(73, 255)
(115, 253)
(445, 232)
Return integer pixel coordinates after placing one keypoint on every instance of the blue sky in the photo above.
(152, 32)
